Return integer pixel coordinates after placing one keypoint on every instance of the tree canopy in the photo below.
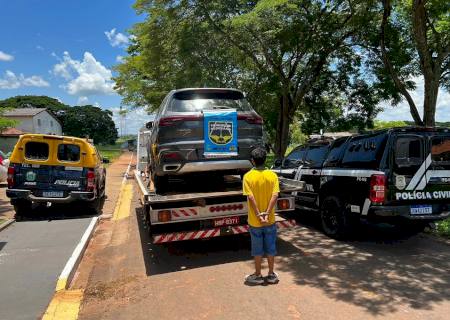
(280, 52)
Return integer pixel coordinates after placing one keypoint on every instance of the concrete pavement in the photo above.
(32, 255)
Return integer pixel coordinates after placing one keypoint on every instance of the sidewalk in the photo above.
(6, 209)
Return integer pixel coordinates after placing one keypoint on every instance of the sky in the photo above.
(66, 50)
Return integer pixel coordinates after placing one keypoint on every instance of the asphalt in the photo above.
(32, 255)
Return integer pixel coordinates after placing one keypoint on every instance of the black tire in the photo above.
(336, 222)
(96, 205)
(160, 183)
(22, 208)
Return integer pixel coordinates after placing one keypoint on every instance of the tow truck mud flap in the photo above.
(215, 232)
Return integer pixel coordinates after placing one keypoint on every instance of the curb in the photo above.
(7, 224)
(68, 272)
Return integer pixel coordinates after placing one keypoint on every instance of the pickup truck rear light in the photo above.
(10, 178)
(164, 215)
(171, 156)
(283, 204)
(90, 180)
(1, 161)
(377, 188)
(171, 121)
(251, 118)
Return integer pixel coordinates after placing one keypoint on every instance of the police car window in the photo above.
(36, 151)
(335, 152)
(364, 151)
(408, 152)
(294, 158)
(297, 154)
(440, 150)
(69, 152)
(316, 155)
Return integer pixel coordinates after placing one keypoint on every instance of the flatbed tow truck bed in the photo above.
(188, 214)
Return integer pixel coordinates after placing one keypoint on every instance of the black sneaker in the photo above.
(254, 279)
(273, 278)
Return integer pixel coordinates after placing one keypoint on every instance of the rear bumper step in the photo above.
(20, 194)
(212, 233)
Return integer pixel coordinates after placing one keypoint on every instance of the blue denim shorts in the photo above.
(264, 240)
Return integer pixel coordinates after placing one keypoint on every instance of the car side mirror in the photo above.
(106, 160)
(278, 162)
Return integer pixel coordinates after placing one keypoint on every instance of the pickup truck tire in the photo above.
(336, 223)
(22, 209)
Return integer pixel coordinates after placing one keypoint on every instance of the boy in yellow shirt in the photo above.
(261, 187)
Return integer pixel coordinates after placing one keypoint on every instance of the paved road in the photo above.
(380, 275)
(32, 255)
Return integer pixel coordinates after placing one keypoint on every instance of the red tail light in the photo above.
(171, 121)
(377, 188)
(1, 161)
(251, 118)
(90, 180)
(171, 156)
(10, 179)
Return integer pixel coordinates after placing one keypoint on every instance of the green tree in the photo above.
(55, 106)
(275, 50)
(408, 40)
(92, 122)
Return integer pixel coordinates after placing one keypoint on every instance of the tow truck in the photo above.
(190, 212)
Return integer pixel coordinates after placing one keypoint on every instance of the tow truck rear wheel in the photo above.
(336, 223)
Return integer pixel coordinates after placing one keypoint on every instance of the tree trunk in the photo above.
(283, 121)
(429, 101)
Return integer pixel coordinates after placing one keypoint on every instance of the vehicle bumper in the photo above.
(20, 194)
(388, 212)
(204, 166)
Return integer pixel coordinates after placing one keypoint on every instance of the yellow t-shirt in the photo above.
(262, 184)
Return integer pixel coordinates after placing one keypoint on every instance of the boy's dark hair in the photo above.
(258, 156)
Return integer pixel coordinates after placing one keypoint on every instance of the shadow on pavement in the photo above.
(379, 271)
(184, 255)
(57, 212)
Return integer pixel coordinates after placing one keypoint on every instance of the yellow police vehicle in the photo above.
(55, 169)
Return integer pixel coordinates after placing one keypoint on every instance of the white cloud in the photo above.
(12, 81)
(119, 59)
(5, 56)
(401, 111)
(117, 39)
(82, 101)
(135, 119)
(40, 48)
(84, 78)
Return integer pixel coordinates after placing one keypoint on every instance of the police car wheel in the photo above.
(22, 209)
(334, 220)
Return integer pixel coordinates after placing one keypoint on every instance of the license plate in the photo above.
(226, 221)
(421, 209)
(53, 194)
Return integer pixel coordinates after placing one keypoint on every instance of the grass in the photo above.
(443, 228)
(2, 221)
(111, 152)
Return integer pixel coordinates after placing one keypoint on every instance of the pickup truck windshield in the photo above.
(196, 102)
